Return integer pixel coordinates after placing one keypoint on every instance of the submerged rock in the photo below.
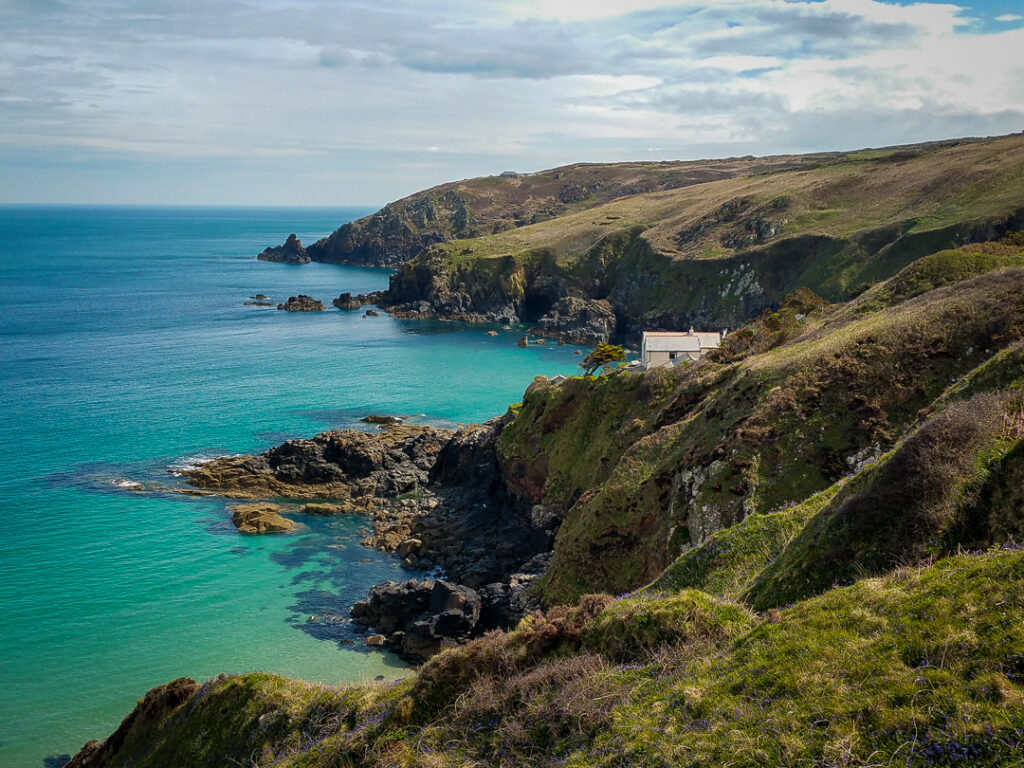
(375, 418)
(302, 303)
(291, 252)
(260, 518)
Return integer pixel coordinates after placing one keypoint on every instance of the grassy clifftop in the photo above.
(483, 206)
(718, 252)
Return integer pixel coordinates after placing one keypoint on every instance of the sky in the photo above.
(344, 102)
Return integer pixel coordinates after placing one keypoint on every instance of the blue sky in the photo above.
(317, 102)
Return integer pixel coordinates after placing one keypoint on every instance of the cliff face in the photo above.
(670, 245)
(642, 467)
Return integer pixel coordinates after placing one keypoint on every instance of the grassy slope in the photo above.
(488, 205)
(644, 466)
(921, 667)
(724, 249)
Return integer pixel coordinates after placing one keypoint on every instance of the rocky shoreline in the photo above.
(439, 500)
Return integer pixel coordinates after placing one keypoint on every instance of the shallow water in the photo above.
(125, 350)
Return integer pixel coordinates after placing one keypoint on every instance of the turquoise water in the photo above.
(125, 350)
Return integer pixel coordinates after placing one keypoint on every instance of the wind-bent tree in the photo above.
(600, 355)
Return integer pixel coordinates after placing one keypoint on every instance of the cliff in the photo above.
(491, 204)
(717, 253)
(670, 245)
(813, 530)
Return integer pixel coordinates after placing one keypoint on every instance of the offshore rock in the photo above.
(302, 303)
(291, 252)
(579, 321)
(347, 301)
(260, 518)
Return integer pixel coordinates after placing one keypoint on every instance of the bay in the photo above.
(126, 350)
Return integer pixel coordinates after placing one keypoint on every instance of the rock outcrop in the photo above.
(302, 303)
(291, 252)
(342, 464)
(347, 301)
(420, 618)
(438, 500)
(260, 518)
(578, 321)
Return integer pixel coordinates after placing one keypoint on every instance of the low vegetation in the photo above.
(812, 537)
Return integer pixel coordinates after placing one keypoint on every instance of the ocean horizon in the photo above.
(126, 351)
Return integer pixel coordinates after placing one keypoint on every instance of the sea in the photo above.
(126, 353)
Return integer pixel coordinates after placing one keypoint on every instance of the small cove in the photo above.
(125, 349)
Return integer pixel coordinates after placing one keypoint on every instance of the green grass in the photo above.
(840, 224)
(730, 440)
(920, 501)
(729, 560)
(919, 668)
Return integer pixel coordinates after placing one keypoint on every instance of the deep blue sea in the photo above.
(126, 351)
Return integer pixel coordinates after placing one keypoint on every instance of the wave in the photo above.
(189, 463)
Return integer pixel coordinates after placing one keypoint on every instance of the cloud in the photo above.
(312, 88)
(1008, 18)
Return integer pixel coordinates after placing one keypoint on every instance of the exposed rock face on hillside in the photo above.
(302, 303)
(291, 252)
(578, 321)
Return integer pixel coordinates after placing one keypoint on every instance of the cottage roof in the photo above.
(676, 341)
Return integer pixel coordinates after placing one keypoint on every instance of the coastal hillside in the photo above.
(670, 245)
(811, 535)
(492, 204)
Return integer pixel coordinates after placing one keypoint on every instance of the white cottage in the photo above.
(673, 347)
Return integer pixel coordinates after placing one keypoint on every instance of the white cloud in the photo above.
(390, 100)
(1009, 17)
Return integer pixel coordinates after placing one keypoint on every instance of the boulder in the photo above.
(524, 341)
(291, 252)
(302, 303)
(260, 518)
(371, 313)
(328, 509)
